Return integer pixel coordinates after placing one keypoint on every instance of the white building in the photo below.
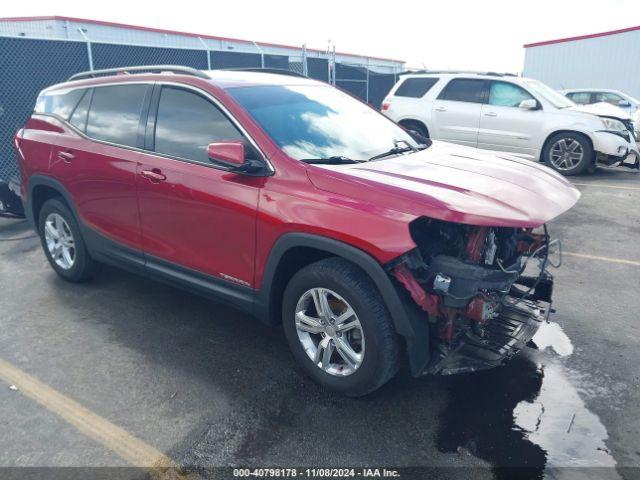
(601, 60)
(96, 31)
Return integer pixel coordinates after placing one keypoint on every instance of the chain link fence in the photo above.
(31, 64)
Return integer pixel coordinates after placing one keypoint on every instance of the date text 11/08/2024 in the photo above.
(316, 472)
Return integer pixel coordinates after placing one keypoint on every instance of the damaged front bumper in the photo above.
(479, 311)
(612, 150)
(503, 337)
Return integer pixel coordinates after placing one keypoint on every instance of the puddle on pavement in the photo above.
(551, 336)
(527, 414)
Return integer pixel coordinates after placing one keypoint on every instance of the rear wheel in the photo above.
(63, 244)
(568, 153)
(338, 329)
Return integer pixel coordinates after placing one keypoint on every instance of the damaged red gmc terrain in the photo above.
(290, 199)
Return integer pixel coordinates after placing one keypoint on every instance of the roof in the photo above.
(582, 37)
(175, 32)
(459, 73)
(220, 78)
(595, 89)
(238, 78)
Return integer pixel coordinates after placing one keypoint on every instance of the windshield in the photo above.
(318, 121)
(631, 99)
(549, 94)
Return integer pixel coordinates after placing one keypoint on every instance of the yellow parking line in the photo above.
(602, 185)
(125, 445)
(604, 259)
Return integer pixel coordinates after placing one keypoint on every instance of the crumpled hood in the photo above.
(602, 109)
(455, 183)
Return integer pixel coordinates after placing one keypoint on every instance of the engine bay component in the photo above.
(441, 283)
(467, 279)
(471, 281)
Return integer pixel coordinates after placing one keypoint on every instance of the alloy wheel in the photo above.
(566, 154)
(60, 241)
(330, 331)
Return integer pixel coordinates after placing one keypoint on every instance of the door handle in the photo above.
(491, 114)
(66, 156)
(155, 175)
(441, 109)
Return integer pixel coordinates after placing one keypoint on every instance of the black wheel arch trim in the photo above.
(39, 180)
(396, 302)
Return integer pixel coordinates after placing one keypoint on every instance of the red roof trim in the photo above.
(582, 37)
(175, 32)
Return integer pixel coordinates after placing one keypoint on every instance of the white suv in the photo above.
(521, 116)
(625, 102)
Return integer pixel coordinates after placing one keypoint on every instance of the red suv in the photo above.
(293, 201)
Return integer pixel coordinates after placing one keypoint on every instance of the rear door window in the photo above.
(59, 102)
(187, 123)
(464, 90)
(415, 87)
(114, 114)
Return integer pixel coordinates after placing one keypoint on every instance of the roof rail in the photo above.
(140, 69)
(475, 72)
(277, 71)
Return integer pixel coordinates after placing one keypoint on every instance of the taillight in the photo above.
(17, 138)
(385, 106)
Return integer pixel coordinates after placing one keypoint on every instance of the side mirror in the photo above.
(528, 104)
(624, 103)
(230, 154)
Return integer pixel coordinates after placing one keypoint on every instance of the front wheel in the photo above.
(568, 153)
(338, 329)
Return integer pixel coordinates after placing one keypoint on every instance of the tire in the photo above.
(568, 153)
(82, 267)
(344, 284)
(416, 127)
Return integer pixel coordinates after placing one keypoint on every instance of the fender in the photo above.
(391, 294)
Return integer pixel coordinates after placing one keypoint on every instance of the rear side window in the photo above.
(415, 87)
(79, 116)
(115, 113)
(60, 102)
(187, 123)
(464, 90)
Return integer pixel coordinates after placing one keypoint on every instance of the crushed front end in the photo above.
(475, 285)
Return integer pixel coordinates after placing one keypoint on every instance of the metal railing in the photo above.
(31, 64)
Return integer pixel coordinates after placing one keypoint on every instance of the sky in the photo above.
(447, 34)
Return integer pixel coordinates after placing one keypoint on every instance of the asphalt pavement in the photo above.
(207, 386)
